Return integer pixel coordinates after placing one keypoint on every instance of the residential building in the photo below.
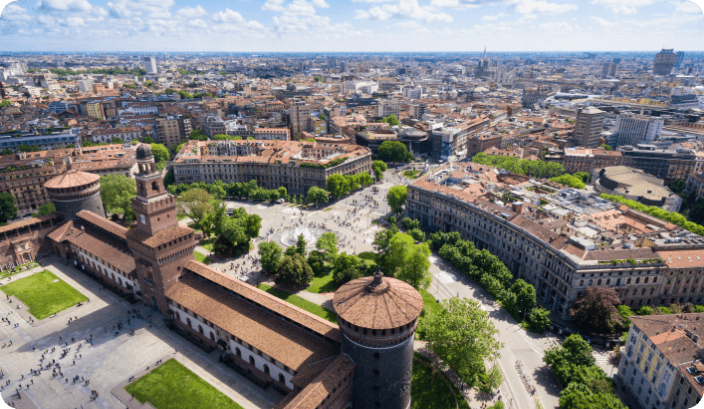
(294, 165)
(588, 127)
(633, 129)
(172, 129)
(94, 109)
(85, 86)
(664, 62)
(586, 160)
(272, 134)
(661, 362)
(410, 92)
(483, 141)
(387, 107)
(214, 125)
(664, 163)
(127, 134)
(299, 117)
(576, 242)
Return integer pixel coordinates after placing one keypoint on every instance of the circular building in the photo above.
(74, 191)
(378, 317)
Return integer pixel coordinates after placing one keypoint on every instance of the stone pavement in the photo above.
(111, 359)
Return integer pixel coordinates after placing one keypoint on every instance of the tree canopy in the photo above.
(160, 152)
(596, 311)
(394, 151)
(379, 167)
(407, 261)
(196, 204)
(46, 208)
(8, 210)
(327, 244)
(397, 198)
(270, 253)
(317, 195)
(294, 271)
(534, 168)
(463, 337)
(117, 192)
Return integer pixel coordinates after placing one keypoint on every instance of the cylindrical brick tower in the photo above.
(378, 317)
(74, 191)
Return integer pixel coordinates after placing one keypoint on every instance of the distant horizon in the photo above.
(343, 52)
(372, 26)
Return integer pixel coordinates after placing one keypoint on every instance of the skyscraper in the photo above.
(150, 65)
(299, 117)
(588, 128)
(680, 59)
(664, 62)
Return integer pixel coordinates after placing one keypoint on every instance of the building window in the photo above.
(251, 360)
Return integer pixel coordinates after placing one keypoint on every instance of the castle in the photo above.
(365, 361)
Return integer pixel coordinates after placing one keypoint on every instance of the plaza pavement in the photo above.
(112, 358)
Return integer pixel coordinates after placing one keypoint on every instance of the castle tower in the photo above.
(160, 246)
(378, 317)
(73, 191)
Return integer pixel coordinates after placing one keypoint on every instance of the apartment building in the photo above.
(588, 128)
(299, 117)
(661, 362)
(632, 129)
(214, 125)
(172, 129)
(664, 163)
(272, 134)
(483, 141)
(127, 134)
(575, 242)
(454, 137)
(294, 165)
(586, 160)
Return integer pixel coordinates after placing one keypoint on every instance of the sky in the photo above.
(351, 25)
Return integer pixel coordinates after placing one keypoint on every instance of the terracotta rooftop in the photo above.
(322, 386)
(103, 223)
(27, 222)
(275, 304)
(160, 237)
(283, 341)
(71, 178)
(368, 303)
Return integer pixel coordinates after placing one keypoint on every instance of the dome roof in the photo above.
(72, 178)
(144, 152)
(378, 302)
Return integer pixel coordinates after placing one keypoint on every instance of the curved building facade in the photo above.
(378, 317)
(74, 191)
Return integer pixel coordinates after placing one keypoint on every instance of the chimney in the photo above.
(517, 207)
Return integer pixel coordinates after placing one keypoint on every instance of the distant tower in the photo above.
(160, 246)
(74, 191)
(378, 317)
(150, 65)
(664, 62)
(2, 91)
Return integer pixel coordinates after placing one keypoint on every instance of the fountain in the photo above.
(290, 239)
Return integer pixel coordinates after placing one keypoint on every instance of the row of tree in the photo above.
(394, 151)
(672, 217)
(533, 168)
(339, 185)
(486, 269)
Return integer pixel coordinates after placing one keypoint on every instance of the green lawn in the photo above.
(207, 244)
(300, 302)
(322, 284)
(42, 295)
(202, 257)
(428, 390)
(173, 386)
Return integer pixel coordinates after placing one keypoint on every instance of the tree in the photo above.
(580, 396)
(235, 233)
(46, 208)
(539, 319)
(317, 195)
(417, 234)
(160, 152)
(397, 198)
(582, 175)
(294, 271)
(346, 268)
(379, 167)
(197, 135)
(410, 224)
(316, 260)
(407, 261)
(393, 151)
(5, 103)
(606, 147)
(301, 245)
(327, 244)
(196, 203)
(8, 210)
(117, 192)
(569, 180)
(525, 295)
(6, 152)
(462, 336)
(148, 139)
(336, 185)
(391, 120)
(117, 141)
(596, 311)
(28, 148)
(270, 253)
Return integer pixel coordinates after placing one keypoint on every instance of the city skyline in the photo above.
(351, 26)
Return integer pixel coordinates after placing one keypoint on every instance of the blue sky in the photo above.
(351, 25)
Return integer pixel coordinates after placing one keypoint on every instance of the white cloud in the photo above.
(273, 5)
(623, 6)
(153, 9)
(13, 12)
(404, 9)
(688, 7)
(492, 18)
(466, 4)
(372, 1)
(227, 16)
(64, 5)
(543, 7)
(192, 12)
(320, 3)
